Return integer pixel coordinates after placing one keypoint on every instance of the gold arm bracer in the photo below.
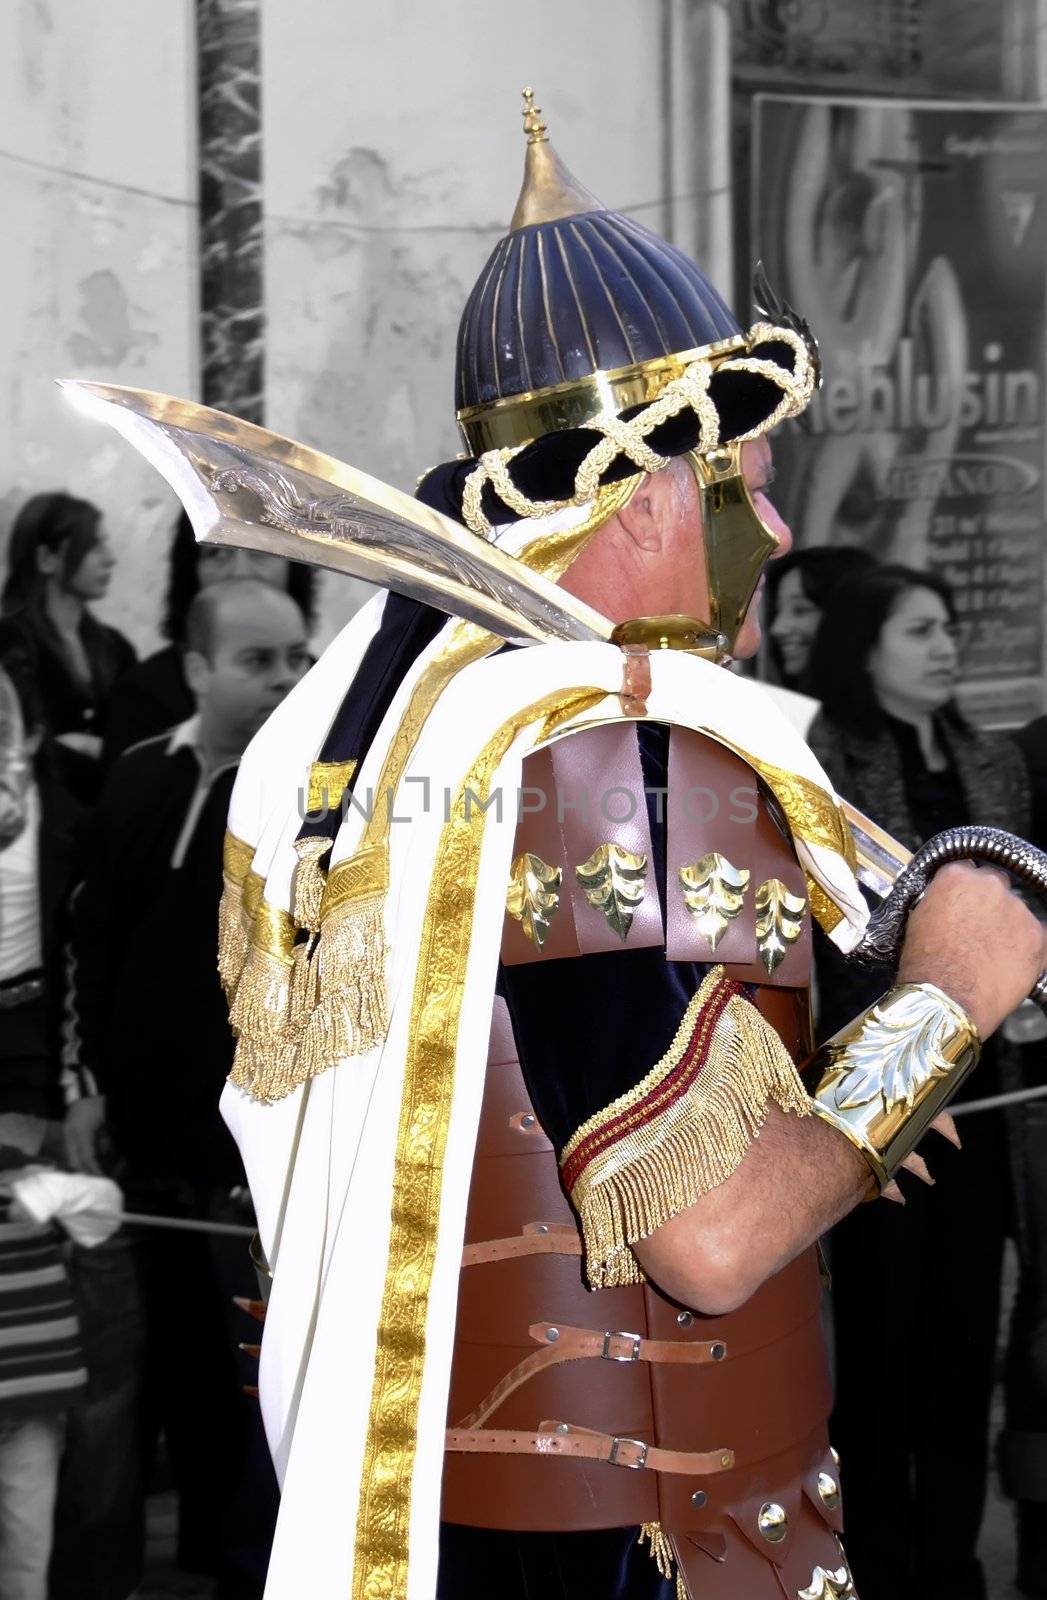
(892, 1070)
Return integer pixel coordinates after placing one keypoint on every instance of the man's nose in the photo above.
(284, 676)
(785, 538)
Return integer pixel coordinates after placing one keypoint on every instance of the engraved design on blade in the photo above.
(779, 920)
(896, 1057)
(713, 892)
(533, 896)
(349, 520)
(613, 881)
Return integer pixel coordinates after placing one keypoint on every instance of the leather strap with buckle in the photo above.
(565, 1440)
(579, 1344)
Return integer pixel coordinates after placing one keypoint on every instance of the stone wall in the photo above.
(392, 154)
(98, 269)
(393, 157)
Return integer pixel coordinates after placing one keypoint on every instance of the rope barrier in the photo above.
(995, 1101)
(146, 1219)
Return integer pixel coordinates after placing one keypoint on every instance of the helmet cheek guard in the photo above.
(738, 542)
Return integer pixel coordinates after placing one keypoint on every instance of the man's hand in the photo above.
(973, 938)
(84, 1121)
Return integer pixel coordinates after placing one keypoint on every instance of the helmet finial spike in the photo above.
(549, 191)
(534, 127)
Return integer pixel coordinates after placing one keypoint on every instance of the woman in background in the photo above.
(797, 589)
(154, 696)
(63, 662)
(915, 1290)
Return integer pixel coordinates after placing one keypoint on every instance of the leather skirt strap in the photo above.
(561, 1439)
(535, 1239)
(562, 1344)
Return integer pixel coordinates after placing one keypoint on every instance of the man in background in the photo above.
(154, 1049)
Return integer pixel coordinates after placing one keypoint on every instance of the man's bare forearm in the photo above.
(969, 937)
(797, 1179)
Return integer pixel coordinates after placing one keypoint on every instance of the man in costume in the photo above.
(520, 974)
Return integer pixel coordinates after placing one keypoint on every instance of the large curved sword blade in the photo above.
(244, 485)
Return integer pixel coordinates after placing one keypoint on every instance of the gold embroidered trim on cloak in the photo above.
(233, 922)
(347, 983)
(384, 1508)
(237, 856)
(811, 811)
(350, 1015)
(258, 1012)
(657, 1149)
(328, 781)
(824, 910)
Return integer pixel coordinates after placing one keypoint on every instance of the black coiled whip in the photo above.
(882, 941)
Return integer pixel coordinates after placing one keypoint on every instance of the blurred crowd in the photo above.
(119, 1338)
(870, 656)
(115, 777)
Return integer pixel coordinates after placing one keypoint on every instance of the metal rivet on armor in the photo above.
(552, 1334)
(684, 1318)
(562, 1427)
(543, 1227)
(727, 1459)
(718, 1351)
(698, 1498)
(772, 1522)
(828, 1491)
(527, 1120)
(835, 1455)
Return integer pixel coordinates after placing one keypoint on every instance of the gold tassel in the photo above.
(259, 1013)
(259, 1008)
(241, 893)
(670, 1159)
(302, 996)
(232, 938)
(349, 1015)
(663, 1555)
(310, 881)
(265, 1071)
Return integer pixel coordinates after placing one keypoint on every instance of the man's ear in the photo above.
(197, 671)
(48, 561)
(646, 517)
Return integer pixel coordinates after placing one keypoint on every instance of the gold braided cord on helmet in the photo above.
(628, 437)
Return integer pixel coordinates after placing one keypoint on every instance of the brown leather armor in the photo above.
(557, 1391)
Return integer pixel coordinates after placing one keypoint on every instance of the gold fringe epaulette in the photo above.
(684, 1128)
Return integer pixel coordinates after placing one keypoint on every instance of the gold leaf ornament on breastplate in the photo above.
(613, 881)
(826, 1585)
(533, 896)
(713, 892)
(779, 921)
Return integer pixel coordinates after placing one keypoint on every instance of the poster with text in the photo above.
(913, 238)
